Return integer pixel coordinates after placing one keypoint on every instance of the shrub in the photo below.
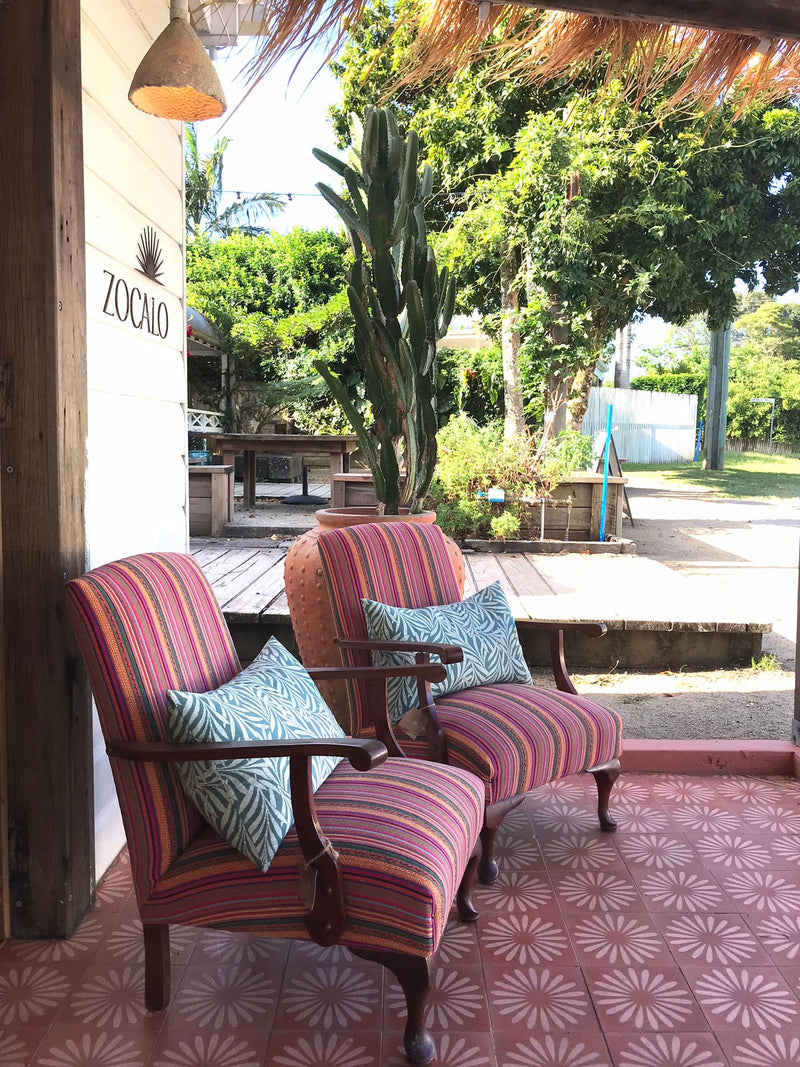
(505, 526)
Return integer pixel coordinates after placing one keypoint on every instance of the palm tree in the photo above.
(203, 179)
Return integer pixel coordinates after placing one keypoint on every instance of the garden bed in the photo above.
(621, 546)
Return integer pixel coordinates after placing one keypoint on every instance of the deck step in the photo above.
(656, 618)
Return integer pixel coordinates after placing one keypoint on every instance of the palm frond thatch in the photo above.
(537, 44)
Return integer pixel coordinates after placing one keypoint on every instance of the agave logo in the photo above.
(148, 255)
(128, 303)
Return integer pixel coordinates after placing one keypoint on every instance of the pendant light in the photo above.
(176, 79)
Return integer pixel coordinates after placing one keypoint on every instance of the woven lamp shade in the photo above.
(176, 79)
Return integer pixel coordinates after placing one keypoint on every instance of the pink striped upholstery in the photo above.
(399, 563)
(404, 834)
(514, 737)
(145, 625)
(403, 837)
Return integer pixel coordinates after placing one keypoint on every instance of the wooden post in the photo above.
(717, 407)
(43, 466)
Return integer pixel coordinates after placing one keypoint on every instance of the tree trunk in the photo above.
(509, 341)
(579, 398)
(622, 367)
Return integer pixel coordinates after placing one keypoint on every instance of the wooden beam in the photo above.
(43, 465)
(765, 18)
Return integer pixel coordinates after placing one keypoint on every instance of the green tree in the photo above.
(278, 302)
(569, 216)
(204, 194)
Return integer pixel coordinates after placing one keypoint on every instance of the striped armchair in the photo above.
(390, 850)
(513, 736)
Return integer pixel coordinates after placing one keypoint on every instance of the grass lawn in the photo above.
(747, 475)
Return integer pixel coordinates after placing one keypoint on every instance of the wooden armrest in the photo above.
(430, 672)
(588, 629)
(446, 653)
(363, 753)
(320, 875)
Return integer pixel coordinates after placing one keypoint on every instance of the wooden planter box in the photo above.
(575, 515)
(353, 489)
(210, 497)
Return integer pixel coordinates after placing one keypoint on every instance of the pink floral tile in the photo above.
(764, 892)
(31, 994)
(187, 1048)
(615, 938)
(18, 1044)
(681, 890)
(591, 891)
(73, 1046)
(713, 938)
(333, 997)
(747, 998)
(551, 1050)
(666, 1050)
(456, 1002)
(304, 1048)
(540, 937)
(452, 1050)
(515, 891)
(780, 1049)
(545, 999)
(645, 998)
(223, 998)
(656, 852)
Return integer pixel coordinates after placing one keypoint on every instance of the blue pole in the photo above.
(604, 500)
(699, 439)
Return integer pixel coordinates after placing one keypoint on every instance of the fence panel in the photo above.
(647, 427)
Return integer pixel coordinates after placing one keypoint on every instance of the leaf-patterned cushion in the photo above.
(248, 801)
(482, 625)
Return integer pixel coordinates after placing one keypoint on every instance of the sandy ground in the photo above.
(750, 545)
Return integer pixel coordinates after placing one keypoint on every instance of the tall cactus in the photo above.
(401, 305)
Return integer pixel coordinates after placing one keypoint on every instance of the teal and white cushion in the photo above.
(482, 625)
(248, 801)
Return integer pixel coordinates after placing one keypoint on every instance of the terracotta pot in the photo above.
(309, 603)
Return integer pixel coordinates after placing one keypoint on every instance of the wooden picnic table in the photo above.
(336, 446)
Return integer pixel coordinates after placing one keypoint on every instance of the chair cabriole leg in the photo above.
(414, 975)
(605, 775)
(466, 909)
(156, 966)
(495, 813)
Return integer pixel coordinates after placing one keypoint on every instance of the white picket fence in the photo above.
(647, 427)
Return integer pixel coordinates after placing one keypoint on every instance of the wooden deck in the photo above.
(655, 616)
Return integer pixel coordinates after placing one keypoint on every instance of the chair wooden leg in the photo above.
(414, 975)
(605, 775)
(466, 909)
(156, 966)
(495, 813)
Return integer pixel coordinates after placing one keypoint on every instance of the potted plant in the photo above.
(401, 305)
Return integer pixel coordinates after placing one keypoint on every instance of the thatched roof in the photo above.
(711, 45)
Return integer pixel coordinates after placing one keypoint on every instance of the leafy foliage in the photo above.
(611, 212)
(278, 301)
(205, 192)
(401, 305)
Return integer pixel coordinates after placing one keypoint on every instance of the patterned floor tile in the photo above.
(616, 938)
(673, 943)
(743, 1049)
(747, 998)
(76, 1046)
(712, 938)
(331, 997)
(666, 1050)
(540, 1000)
(644, 998)
(456, 1003)
(552, 1050)
(452, 1050)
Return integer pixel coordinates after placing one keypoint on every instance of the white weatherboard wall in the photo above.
(136, 475)
(646, 427)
